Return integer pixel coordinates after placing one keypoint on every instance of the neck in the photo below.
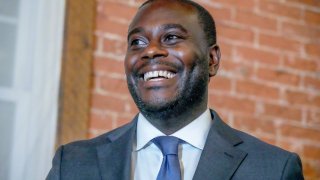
(170, 122)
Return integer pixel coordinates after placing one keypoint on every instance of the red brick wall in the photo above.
(268, 83)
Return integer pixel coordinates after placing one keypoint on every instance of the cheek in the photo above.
(188, 54)
(129, 63)
(195, 63)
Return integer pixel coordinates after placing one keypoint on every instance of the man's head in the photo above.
(170, 58)
(205, 20)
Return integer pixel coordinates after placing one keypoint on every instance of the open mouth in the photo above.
(158, 75)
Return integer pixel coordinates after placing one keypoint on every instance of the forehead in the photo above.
(164, 11)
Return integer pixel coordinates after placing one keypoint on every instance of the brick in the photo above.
(260, 90)
(224, 115)
(295, 97)
(101, 121)
(108, 102)
(94, 133)
(268, 139)
(312, 152)
(118, 10)
(311, 169)
(302, 64)
(248, 4)
(280, 9)
(312, 17)
(285, 112)
(116, 47)
(133, 106)
(313, 49)
(312, 83)
(220, 13)
(232, 103)
(113, 85)
(220, 83)
(313, 118)
(251, 19)
(306, 2)
(124, 119)
(293, 30)
(278, 76)
(300, 133)
(225, 48)
(279, 43)
(290, 145)
(257, 55)
(237, 69)
(254, 124)
(109, 25)
(101, 64)
(302, 98)
(228, 65)
(235, 34)
(315, 101)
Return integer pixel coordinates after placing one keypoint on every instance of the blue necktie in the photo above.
(170, 167)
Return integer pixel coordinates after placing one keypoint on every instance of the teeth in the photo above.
(158, 74)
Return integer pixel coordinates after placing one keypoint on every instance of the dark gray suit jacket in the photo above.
(228, 154)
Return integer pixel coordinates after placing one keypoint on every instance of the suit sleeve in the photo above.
(54, 173)
(293, 168)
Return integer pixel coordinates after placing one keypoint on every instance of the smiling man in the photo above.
(172, 53)
(168, 64)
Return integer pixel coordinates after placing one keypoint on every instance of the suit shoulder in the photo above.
(258, 144)
(244, 141)
(101, 139)
(266, 160)
(263, 150)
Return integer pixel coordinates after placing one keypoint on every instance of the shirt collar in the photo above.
(199, 127)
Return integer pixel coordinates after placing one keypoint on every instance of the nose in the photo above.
(154, 50)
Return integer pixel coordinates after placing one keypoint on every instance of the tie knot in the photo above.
(167, 144)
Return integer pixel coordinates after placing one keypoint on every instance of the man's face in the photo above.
(167, 60)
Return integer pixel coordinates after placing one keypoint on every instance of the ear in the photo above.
(214, 60)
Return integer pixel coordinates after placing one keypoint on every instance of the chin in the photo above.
(158, 105)
(155, 108)
(185, 98)
(160, 109)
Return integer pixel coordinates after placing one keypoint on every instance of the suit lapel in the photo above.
(114, 156)
(219, 159)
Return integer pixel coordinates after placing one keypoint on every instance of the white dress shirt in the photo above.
(147, 158)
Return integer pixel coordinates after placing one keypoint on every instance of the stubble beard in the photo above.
(189, 96)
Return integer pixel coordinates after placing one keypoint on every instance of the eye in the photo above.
(138, 42)
(172, 39)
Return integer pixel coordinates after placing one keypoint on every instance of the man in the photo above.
(171, 55)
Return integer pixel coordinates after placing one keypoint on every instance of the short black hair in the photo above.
(204, 17)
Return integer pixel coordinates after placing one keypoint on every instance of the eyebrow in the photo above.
(134, 31)
(164, 27)
(174, 26)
